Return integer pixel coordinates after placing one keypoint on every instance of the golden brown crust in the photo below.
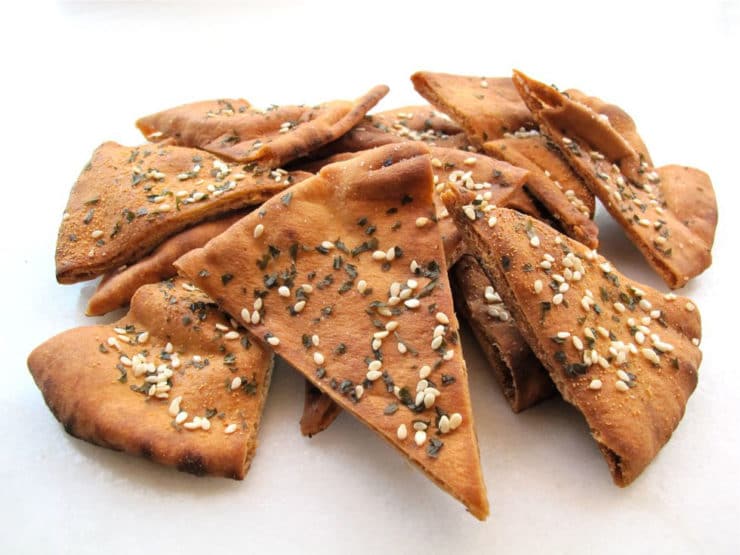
(523, 380)
(116, 288)
(87, 383)
(486, 107)
(552, 182)
(593, 325)
(128, 200)
(306, 239)
(675, 241)
(271, 138)
(319, 411)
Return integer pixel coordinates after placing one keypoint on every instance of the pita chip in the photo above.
(625, 355)
(173, 381)
(270, 138)
(319, 411)
(117, 287)
(523, 380)
(669, 214)
(337, 276)
(486, 107)
(128, 200)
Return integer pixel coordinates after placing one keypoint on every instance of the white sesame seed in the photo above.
(534, 241)
(492, 221)
(419, 399)
(439, 330)
(231, 335)
(563, 334)
(428, 400)
(390, 254)
(259, 229)
(670, 297)
(374, 365)
(437, 342)
(378, 255)
(221, 327)
(470, 161)
(545, 265)
(174, 408)
(273, 340)
(420, 437)
(469, 212)
(412, 284)
(557, 299)
(690, 306)
(622, 375)
(448, 354)
(230, 429)
(484, 84)
(401, 348)
(143, 337)
(299, 306)
(377, 344)
(205, 424)
(328, 245)
(603, 362)
(318, 358)
(422, 221)
(424, 371)
(538, 286)
(97, 234)
(695, 341)
(621, 386)
(645, 304)
(651, 355)
(257, 305)
(181, 417)
(283, 291)
(255, 319)
(373, 375)
(236, 383)
(412, 303)
(413, 266)
(564, 287)
(577, 343)
(595, 384)
(401, 432)
(619, 307)
(639, 337)
(442, 318)
(455, 420)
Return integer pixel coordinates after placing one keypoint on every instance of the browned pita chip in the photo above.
(271, 138)
(522, 378)
(671, 217)
(552, 182)
(173, 381)
(128, 200)
(116, 288)
(624, 354)
(486, 107)
(319, 411)
(348, 283)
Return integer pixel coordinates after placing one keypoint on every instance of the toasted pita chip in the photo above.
(659, 216)
(523, 380)
(271, 138)
(319, 411)
(339, 277)
(116, 288)
(486, 107)
(622, 353)
(172, 381)
(552, 182)
(128, 200)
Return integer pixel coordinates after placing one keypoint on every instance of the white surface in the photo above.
(75, 75)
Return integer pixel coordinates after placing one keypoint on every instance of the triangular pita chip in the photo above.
(271, 138)
(319, 411)
(128, 200)
(345, 277)
(117, 287)
(669, 215)
(623, 353)
(172, 381)
(522, 378)
(486, 107)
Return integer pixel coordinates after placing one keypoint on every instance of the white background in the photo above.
(74, 75)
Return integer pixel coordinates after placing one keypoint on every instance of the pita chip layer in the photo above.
(116, 288)
(173, 381)
(128, 200)
(670, 213)
(523, 380)
(337, 276)
(270, 138)
(625, 355)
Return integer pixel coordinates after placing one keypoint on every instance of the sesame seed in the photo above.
(378, 255)
(602, 331)
(595, 384)
(619, 307)
(412, 284)
(299, 306)
(622, 375)
(257, 305)
(255, 317)
(231, 335)
(97, 234)
(603, 362)
(381, 334)
(205, 424)
(273, 340)
(621, 386)
(181, 417)
(469, 212)
(563, 334)
(534, 241)
(392, 325)
(577, 343)
(448, 354)
(401, 432)
(484, 84)
(455, 420)
(374, 374)
(690, 306)
(651, 355)
(422, 221)
(390, 254)
(428, 400)
(230, 429)
(545, 265)
(471, 160)
(413, 266)
(405, 294)
(695, 341)
(377, 344)
(645, 304)
(174, 408)
(374, 365)
(538, 286)
(439, 330)
(564, 287)
(236, 383)
(557, 299)
(221, 327)
(437, 342)
(639, 337)
(259, 229)
(283, 291)
(412, 303)
(424, 371)
(401, 348)
(492, 221)
(670, 297)
(361, 286)
(318, 358)
(328, 245)
(655, 314)
(420, 437)
(436, 162)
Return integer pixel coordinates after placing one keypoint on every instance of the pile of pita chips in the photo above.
(116, 288)
(173, 381)
(359, 302)
(669, 213)
(623, 354)
(269, 138)
(128, 200)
